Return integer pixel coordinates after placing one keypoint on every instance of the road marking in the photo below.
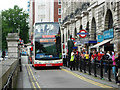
(87, 80)
(30, 78)
(34, 78)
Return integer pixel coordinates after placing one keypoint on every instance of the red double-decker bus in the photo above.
(47, 45)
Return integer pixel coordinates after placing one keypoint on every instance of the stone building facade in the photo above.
(101, 20)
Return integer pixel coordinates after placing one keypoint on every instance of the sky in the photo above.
(6, 4)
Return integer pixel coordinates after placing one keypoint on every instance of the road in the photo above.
(58, 78)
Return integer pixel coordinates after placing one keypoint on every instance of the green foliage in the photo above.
(14, 20)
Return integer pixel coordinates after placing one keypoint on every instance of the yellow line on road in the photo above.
(34, 78)
(87, 80)
(30, 78)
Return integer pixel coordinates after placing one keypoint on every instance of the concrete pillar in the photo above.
(12, 41)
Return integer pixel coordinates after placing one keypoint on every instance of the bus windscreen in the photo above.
(47, 41)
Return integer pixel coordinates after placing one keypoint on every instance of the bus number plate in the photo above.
(48, 64)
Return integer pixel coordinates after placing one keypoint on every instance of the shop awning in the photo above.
(101, 43)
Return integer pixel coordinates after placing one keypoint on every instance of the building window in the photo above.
(59, 2)
(59, 11)
(59, 19)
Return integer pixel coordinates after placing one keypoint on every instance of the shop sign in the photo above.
(100, 38)
(108, 34)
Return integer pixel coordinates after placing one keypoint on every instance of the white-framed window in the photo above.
(59, 11)
(59, 2)
(59, 19)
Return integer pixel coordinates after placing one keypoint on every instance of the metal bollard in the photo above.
(89, 67)
(95, 67)
(20, 64)
(84, 65)
(101, 69)
(109, 70)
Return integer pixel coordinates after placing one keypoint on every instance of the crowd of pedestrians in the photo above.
(73, 61)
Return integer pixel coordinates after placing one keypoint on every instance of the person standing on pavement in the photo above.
(93, 57)
(114, 65)
(109, 54)
(86, 60)
(117, 60)
(3, 54)
(77, 59)
(86, 55)
(63, 56)
(72, 60)
(105, 58)
(99, 56)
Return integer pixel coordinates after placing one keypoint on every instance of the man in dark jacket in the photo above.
(105, 58)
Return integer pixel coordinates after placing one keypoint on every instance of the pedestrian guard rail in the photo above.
(96, 67)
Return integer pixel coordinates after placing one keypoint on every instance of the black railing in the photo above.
(96, 68)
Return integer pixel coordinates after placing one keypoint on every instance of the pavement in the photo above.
(53, 78)
(23, 78)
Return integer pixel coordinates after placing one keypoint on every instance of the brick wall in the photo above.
(56, 6)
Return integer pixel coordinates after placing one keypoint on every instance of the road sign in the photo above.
(82, 33)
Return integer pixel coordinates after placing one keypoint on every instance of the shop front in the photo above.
(103, 41)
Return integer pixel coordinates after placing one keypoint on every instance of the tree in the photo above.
(14, 20)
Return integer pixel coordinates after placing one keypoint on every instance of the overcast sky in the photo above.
(6, 4)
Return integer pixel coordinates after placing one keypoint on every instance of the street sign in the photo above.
(82, 33)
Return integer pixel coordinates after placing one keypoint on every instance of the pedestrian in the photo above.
(90, 54)
(63, 56)
(82, 55)
(93, 57)
(117, 60)
(109, 54)
(76, 59)
(67, 60)
(3, 54)
(86, 60)
(99, 56)
(114, 65)
(105, 59)
(72, 60)
(86, 56)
